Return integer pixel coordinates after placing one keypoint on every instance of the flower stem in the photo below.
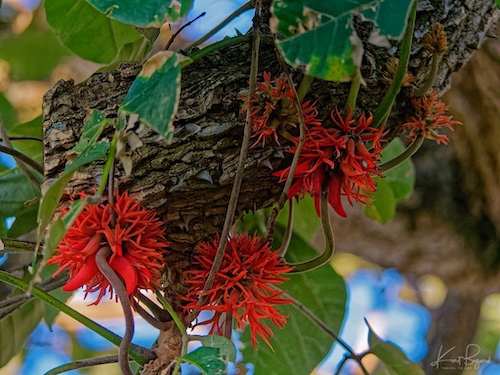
(304, 87)
(390, 96)
(216, 29)
(158, 324)
(238, 178)
(139, 354)
(353, 92)
(171, 311)
(107, 167)
(101, 259)
(436, 58)
(406, 154)
(329, 241)
(83, 363)
(287, 237)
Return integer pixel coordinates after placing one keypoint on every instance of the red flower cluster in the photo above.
(341, 159)
(136, 240)
(273, 110)
(428, 117)
(242, 285)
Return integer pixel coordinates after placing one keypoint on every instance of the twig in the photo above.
(236, 13)
(172, 38)
(83, 363)
(162, 326)
(23, 138)
(158, 312)
(238, 178)
(287, 237)
(117, 284)
(22, 160)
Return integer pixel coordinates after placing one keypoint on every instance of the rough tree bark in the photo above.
(189, 181)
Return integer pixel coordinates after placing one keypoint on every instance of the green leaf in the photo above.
(15, 191)
(61, 225)
(92, 129)
(396, 362)
(383, 206)
(401, 179)
(301, 344)
(227, 350)
(50, 201)
(152, 13)
(50, 311)
(16, 328)
(154, 95)
(319, 34)
(207, 359)
(90, 154)
(390, 17)
(86, 31)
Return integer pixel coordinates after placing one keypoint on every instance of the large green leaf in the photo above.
(154, 95)
(396, 362)
(86, 31)
(26, 220)
(319, 34)
(207, 359)
(151, 13)
(301, 344)
(16, 328)
(15, 191)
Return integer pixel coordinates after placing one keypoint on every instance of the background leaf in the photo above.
(15, 191)
(396, 362)
(151, 13)
(154, 95)
(301, 344)
(86, 31)
(383, 206)
(16, 328)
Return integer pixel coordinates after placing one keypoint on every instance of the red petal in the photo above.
(334, 197)
(127, 272)
(83, 276)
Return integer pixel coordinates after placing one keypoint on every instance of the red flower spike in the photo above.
(273, 110)
(241, 286)
(137, 241)
(428, 117)
(341, 159)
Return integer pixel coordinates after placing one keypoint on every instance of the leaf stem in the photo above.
(391, 94)
(329, 240)
(139, 354)
(101, 259)
(83, 363)
(287, 237)
(216, 29)
(247, 132)
(406, 154)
